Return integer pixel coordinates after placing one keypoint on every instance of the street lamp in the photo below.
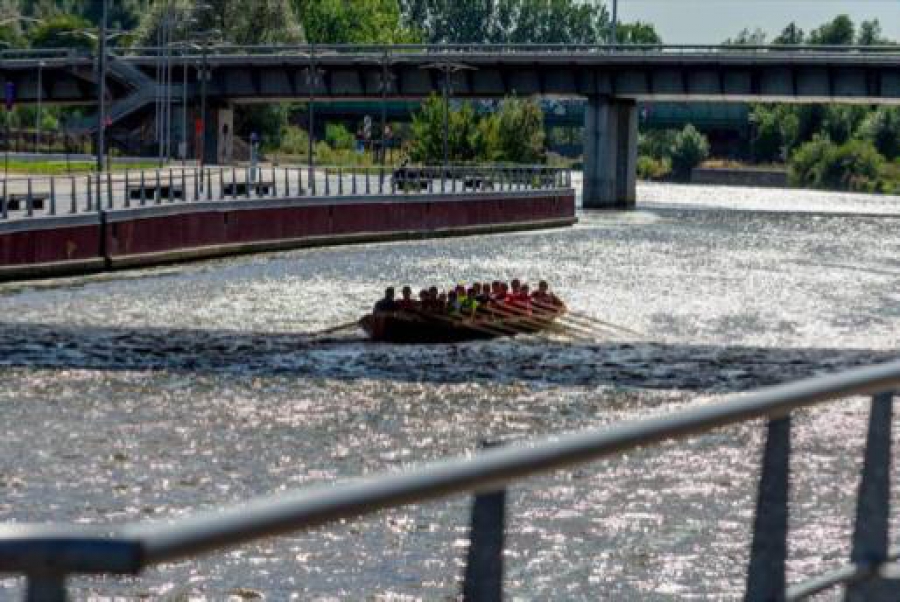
(613, 33)
(40, 96)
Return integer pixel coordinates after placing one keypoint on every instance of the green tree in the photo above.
(428, 133)
(745, 37)
(520, 132)
(820, 163)
(244, 22)
(870, 34)
(637, 33)
(775, 133)
(690, 149)
(789, 36)
(840, 122)
(61, 31)
(882, 128)
(353, 22)
(838, 32)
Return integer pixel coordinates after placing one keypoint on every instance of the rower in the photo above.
(387, 304)
(425, 303)
(452, 303)
(407, 303)
(543, 296)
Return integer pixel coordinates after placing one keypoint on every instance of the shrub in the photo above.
(649, 168)
(882, 129)
(689, 150)
(854, 165)
(657, 144)
(339, 137)
(520, 132)
(294, 141)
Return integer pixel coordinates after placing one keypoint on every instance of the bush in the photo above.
(657, 144)
(689, 150)
(649, 168)
(339, 137)
(520, 132)
(294, 141)
(882, 129)
(854, 165)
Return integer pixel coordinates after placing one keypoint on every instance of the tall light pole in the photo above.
(101, 98)
(40, 97)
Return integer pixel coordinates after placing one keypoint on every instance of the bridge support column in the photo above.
(610, 153)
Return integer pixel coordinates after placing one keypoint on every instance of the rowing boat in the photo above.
(424, 328)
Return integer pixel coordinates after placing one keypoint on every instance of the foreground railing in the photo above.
(47, 554)
(26, 197)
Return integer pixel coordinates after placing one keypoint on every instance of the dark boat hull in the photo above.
(422, 329)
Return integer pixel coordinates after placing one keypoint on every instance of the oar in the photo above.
(573, 315)
(461, 321)
(548, 325)
(548, 319)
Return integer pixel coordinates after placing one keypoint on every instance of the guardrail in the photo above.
(226, 49)
(47, 554)
(28, 197)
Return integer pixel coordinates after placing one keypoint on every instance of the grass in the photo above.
(53, 168)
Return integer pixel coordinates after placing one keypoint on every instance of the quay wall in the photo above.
(42, 247)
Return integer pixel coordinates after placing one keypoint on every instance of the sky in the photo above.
(713, 21)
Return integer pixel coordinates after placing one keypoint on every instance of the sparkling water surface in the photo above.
(151, 394)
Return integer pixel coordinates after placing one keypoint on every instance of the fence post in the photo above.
(127, 189)
(327, 182)
(90, 193)
(109, 191)
(4, 210)
(340, 177)
(870, 535)
(29, 200)
(768, 552)
(483, 579)
(52, 196)
(184, 188)
(73, 208)
(157, 193)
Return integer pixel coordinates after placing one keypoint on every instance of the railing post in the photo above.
(483, 581)
(127, 191)
(768, 553)
(29, 200)
(109, 191)
(870, 535)
(73, 208)
(52, 196)
(4, 210)
(90, 192)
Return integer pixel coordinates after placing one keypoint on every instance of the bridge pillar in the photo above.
(610, 153)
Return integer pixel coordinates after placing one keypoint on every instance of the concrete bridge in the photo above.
(612, 79)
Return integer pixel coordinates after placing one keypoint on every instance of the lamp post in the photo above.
(101, 99)
(40, 96)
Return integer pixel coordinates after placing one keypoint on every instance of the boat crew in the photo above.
(543, 297)
(453, 304)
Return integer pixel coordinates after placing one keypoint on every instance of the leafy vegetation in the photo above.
(514, 133)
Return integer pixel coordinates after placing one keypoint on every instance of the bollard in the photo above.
(29, 201)
(127, 189)
(52, 196)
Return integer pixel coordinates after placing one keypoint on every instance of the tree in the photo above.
(690, 149)
(882, 129)
(244, 22)
(775, 132)
(789, 36)
(870, 34)
(838, 32)
(840, 122)
(520, 131)
(353, 22)
(820, 163)
(745, 37)
(637, 33)
(507, 21)
(61, 32)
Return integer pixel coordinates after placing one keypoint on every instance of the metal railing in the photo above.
(47, 554)
(28, 197)
(376, 50)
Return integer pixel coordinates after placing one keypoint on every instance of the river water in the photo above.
(148, 395)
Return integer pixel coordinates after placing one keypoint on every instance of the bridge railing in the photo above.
(29, 197)
(47, 554)
(376, 50)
